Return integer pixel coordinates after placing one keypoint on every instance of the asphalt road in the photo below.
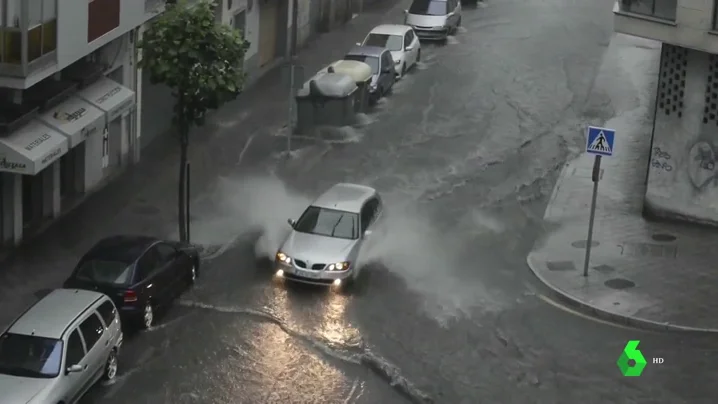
(465, 153)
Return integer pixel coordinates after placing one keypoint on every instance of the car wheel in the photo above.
(418, 56)
(148, 316)
(458, 23)
(403, 70)
(111, 366)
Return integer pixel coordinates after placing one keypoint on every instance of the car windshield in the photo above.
(329, 222)
(104, 271)
(391, 42)
(429, 7)
(30, 356)
(373, 62)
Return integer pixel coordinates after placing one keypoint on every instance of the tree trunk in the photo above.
(182, 189)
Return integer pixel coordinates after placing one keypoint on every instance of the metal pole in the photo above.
(595, 176)
(290, 124)
(187, 199)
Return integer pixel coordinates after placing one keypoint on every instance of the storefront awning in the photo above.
(76, 119)
(31, 148)
(109, 96)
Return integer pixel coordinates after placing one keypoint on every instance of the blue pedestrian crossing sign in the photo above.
(600, 141)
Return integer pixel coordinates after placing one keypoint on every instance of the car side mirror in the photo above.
(409, 48)
(75, 369)
(367, 233)
(291, 222)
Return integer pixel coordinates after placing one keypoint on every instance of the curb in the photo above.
(597, 312)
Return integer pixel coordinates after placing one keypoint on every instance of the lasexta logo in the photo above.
(631, 362)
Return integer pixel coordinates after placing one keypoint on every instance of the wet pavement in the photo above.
(465, 152)
(649, 274)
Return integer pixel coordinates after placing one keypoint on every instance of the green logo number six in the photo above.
(630, 352)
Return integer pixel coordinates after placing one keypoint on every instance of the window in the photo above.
(328, 222)
(429, 7)
(148, 263)
(30, 356)
(391, 42)
(371, 61)
(166, 253)
(107, 312)
(408, 38)
(10, 34)
(92, 330)
(368, 213)
(387, 60)
(104, 272)
(42, 28)
(75, 349)
(664, 9)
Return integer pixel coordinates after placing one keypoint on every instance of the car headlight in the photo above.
(338, 266)
(283, 257)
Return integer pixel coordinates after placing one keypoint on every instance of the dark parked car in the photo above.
(139, 274)
(382, 68)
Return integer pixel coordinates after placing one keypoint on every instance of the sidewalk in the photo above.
(651, 275)
(143, 200)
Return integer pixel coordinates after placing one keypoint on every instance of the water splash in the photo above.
(451, 40)
(431, 262)
(364, 120)
(241, 206)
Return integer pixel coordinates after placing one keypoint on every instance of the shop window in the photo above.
(11, 46)
(102, 17)
(42, 28)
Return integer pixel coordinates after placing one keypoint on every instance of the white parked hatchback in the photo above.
(401, 41)
(59, 348)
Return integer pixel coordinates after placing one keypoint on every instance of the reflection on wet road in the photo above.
(465, 153)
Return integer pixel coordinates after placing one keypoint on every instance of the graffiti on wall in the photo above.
(661, 160)
(701, 166)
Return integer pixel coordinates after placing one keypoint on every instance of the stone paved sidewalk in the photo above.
(143, 200)
(653, 275)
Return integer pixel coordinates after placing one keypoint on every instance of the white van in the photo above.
(434, 19)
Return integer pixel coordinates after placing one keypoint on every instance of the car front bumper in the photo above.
(432, 33)
(311, 276)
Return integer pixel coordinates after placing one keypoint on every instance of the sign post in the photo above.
(599, 142)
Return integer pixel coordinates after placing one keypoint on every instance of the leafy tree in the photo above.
(201, 61)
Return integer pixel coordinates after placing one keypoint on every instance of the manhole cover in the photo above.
(145, 210)
(619, 283)
(560, 266)
(604, 269)
(584, 243)
(663, 237)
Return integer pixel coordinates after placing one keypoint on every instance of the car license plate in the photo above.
(308, 274)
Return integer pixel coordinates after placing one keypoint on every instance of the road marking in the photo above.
(569, 310)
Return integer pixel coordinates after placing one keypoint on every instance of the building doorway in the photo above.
(267, 32)
(32, 199)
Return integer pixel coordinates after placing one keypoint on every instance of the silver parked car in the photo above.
(325, 241)
(434, 19)
(59, 348)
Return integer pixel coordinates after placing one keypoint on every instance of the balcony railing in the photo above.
(28, 36)
(662, 9)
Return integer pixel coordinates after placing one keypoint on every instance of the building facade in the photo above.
(68, 113)
(266, 24)
(682, 176)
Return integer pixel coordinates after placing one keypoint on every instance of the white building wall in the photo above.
(693, 27)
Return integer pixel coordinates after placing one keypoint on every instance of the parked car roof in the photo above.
(345, 197)
(374, 51)
(52, 314)
(122, 248)
(390, 29)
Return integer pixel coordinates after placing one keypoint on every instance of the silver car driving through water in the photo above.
(325, 242)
